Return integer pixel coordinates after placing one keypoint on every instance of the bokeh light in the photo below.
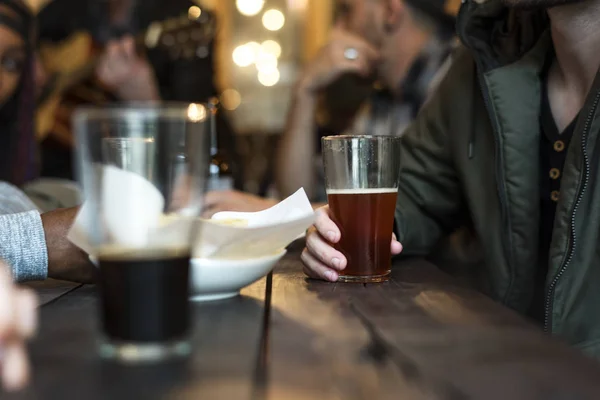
(271, 47)
(249, 7)
(255, 47)
(231, 99)
(243, 55)
(273, 20)
(194, 12)
(196, 112)
(268, 78)
(266, 62)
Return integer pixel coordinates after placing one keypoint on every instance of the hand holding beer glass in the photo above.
(351, 238)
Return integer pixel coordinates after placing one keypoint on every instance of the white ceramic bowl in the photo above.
(217, 279)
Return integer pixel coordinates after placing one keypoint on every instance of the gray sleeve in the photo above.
(22, 239)
(23, 245)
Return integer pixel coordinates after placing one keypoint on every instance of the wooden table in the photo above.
(419, 336)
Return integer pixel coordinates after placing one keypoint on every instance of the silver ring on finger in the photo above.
(351, 54)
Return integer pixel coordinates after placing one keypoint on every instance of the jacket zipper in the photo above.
(571, 252)
(499, 167)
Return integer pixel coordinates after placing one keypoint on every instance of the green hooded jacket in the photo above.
(473, 155)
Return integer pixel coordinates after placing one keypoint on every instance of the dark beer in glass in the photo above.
(142, 168)
(144, 299)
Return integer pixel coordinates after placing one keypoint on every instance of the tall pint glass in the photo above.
(142, 166)
(361, 174)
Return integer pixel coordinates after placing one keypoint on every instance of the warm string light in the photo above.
(265, 62)
(264, 56)
(273, 20)
(255, 48)
(269, 79)
(196, 112)
(249, 7)
(230, 99)
(194, 12)
(271, 47)
(243, 56)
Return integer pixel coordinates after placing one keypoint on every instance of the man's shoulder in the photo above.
(456, 89)
(461, 70)
(454, 105)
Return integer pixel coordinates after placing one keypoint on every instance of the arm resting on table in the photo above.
(23, 245)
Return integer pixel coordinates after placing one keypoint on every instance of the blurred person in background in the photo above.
(18, 320)
(21, 76)
(18, 162)
(126, 70)
(403, 45)
(33, 244)
(509, 142)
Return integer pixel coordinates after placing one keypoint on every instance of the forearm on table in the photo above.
(23, 245)
(296, 149)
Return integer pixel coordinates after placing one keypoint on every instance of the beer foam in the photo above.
(362, 191)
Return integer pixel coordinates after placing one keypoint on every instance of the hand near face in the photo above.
(333, 60)
(123, 71)
(321, 260)
(18, 320)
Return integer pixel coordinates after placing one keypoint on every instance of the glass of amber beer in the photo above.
(361, 174)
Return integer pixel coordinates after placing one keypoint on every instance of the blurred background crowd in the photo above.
(277, 71)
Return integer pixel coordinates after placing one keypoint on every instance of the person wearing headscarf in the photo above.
(18, 311)
(33, 244)
(17, 105)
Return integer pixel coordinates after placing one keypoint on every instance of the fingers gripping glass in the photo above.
(361, 174)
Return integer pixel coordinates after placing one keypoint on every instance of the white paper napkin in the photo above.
(132, 207)
(132, 210)
(266, 232)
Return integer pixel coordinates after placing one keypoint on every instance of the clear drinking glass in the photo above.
(143, 170)
(130, 153)
(361, 174)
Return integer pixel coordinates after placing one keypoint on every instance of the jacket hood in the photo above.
(499, 35)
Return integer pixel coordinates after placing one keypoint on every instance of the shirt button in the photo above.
(559, 146)
(554, 195)
(554, 173)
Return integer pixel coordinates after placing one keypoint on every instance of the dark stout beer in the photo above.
(366, 220)
(144, 297)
